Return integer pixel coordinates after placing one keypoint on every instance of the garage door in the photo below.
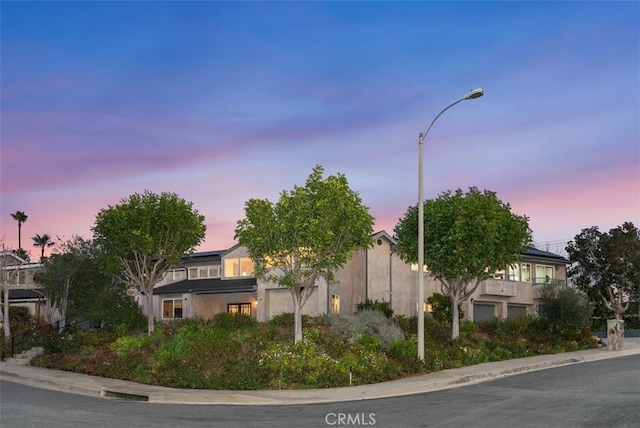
(514, 311)
(483, 312)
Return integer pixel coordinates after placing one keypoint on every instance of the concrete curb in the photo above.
(114, 388)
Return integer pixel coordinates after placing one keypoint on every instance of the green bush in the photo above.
(370, 305)
(19, 314)
(566, 311)
(409, 325)
(513, 328)
(126, 344)
(441, 308)
(124, 314)
(233, 321)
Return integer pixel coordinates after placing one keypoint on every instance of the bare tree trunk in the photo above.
(297, 319)
(300, 296)
(150, 320)
(455, 321)
(49, 312)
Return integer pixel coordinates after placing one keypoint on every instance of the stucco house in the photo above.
(208, 283)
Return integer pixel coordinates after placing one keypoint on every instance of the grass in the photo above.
(235, 352)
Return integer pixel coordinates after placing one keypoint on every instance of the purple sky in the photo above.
(223, 102)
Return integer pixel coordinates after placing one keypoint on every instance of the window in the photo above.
(201, 272)
(178, 274)
(499, 274)
(526, 272)
(335, 304)
(544, 274)
(171, 308)
(513, 273)
(235, 267)
(239, 308)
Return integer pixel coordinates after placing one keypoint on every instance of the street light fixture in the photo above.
(475, 93)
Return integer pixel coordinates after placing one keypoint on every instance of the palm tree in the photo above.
(43, 242)
(20, 217)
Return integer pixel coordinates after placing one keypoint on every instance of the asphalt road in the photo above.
(597, 394)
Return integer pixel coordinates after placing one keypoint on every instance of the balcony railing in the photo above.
(549, 281)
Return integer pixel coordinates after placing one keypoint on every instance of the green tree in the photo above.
(145, 235)
(61, 273)
(307, 235)
(75, 282)
(467, 237)
(606, 266)
(20, 217)
(42, 242)
(565, 310)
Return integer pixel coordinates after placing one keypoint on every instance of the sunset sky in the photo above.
(221, 102)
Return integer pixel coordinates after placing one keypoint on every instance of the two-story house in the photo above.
(208, 283)
(221, 281)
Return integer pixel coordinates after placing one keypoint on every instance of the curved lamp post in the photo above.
(476, 93)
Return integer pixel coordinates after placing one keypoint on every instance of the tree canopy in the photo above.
(81, 290)
(146, 234)
(606, 266)
(468, 236)
(308, 234)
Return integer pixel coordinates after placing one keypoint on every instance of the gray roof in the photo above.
(540, 255)
(25, 294)
(209, 286)
(202, 256)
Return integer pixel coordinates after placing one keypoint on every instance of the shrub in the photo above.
(366, 322)
(285, 319)
(467, 329)
(369, 305)
(409, 325)
(513, 328)
(125, 344)
(565, 310)
(228, 321)
(441, 308)
(300, 365)
(124, 314)
(18, 314)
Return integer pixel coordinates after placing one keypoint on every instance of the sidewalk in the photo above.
(98, 386)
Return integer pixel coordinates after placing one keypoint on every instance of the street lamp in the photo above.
(476, 93)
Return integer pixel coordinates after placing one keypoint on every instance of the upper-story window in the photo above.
(200, 272)
(544, 274)
(176, 275)
(238, 266)
(514, 273)
(526, 272)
